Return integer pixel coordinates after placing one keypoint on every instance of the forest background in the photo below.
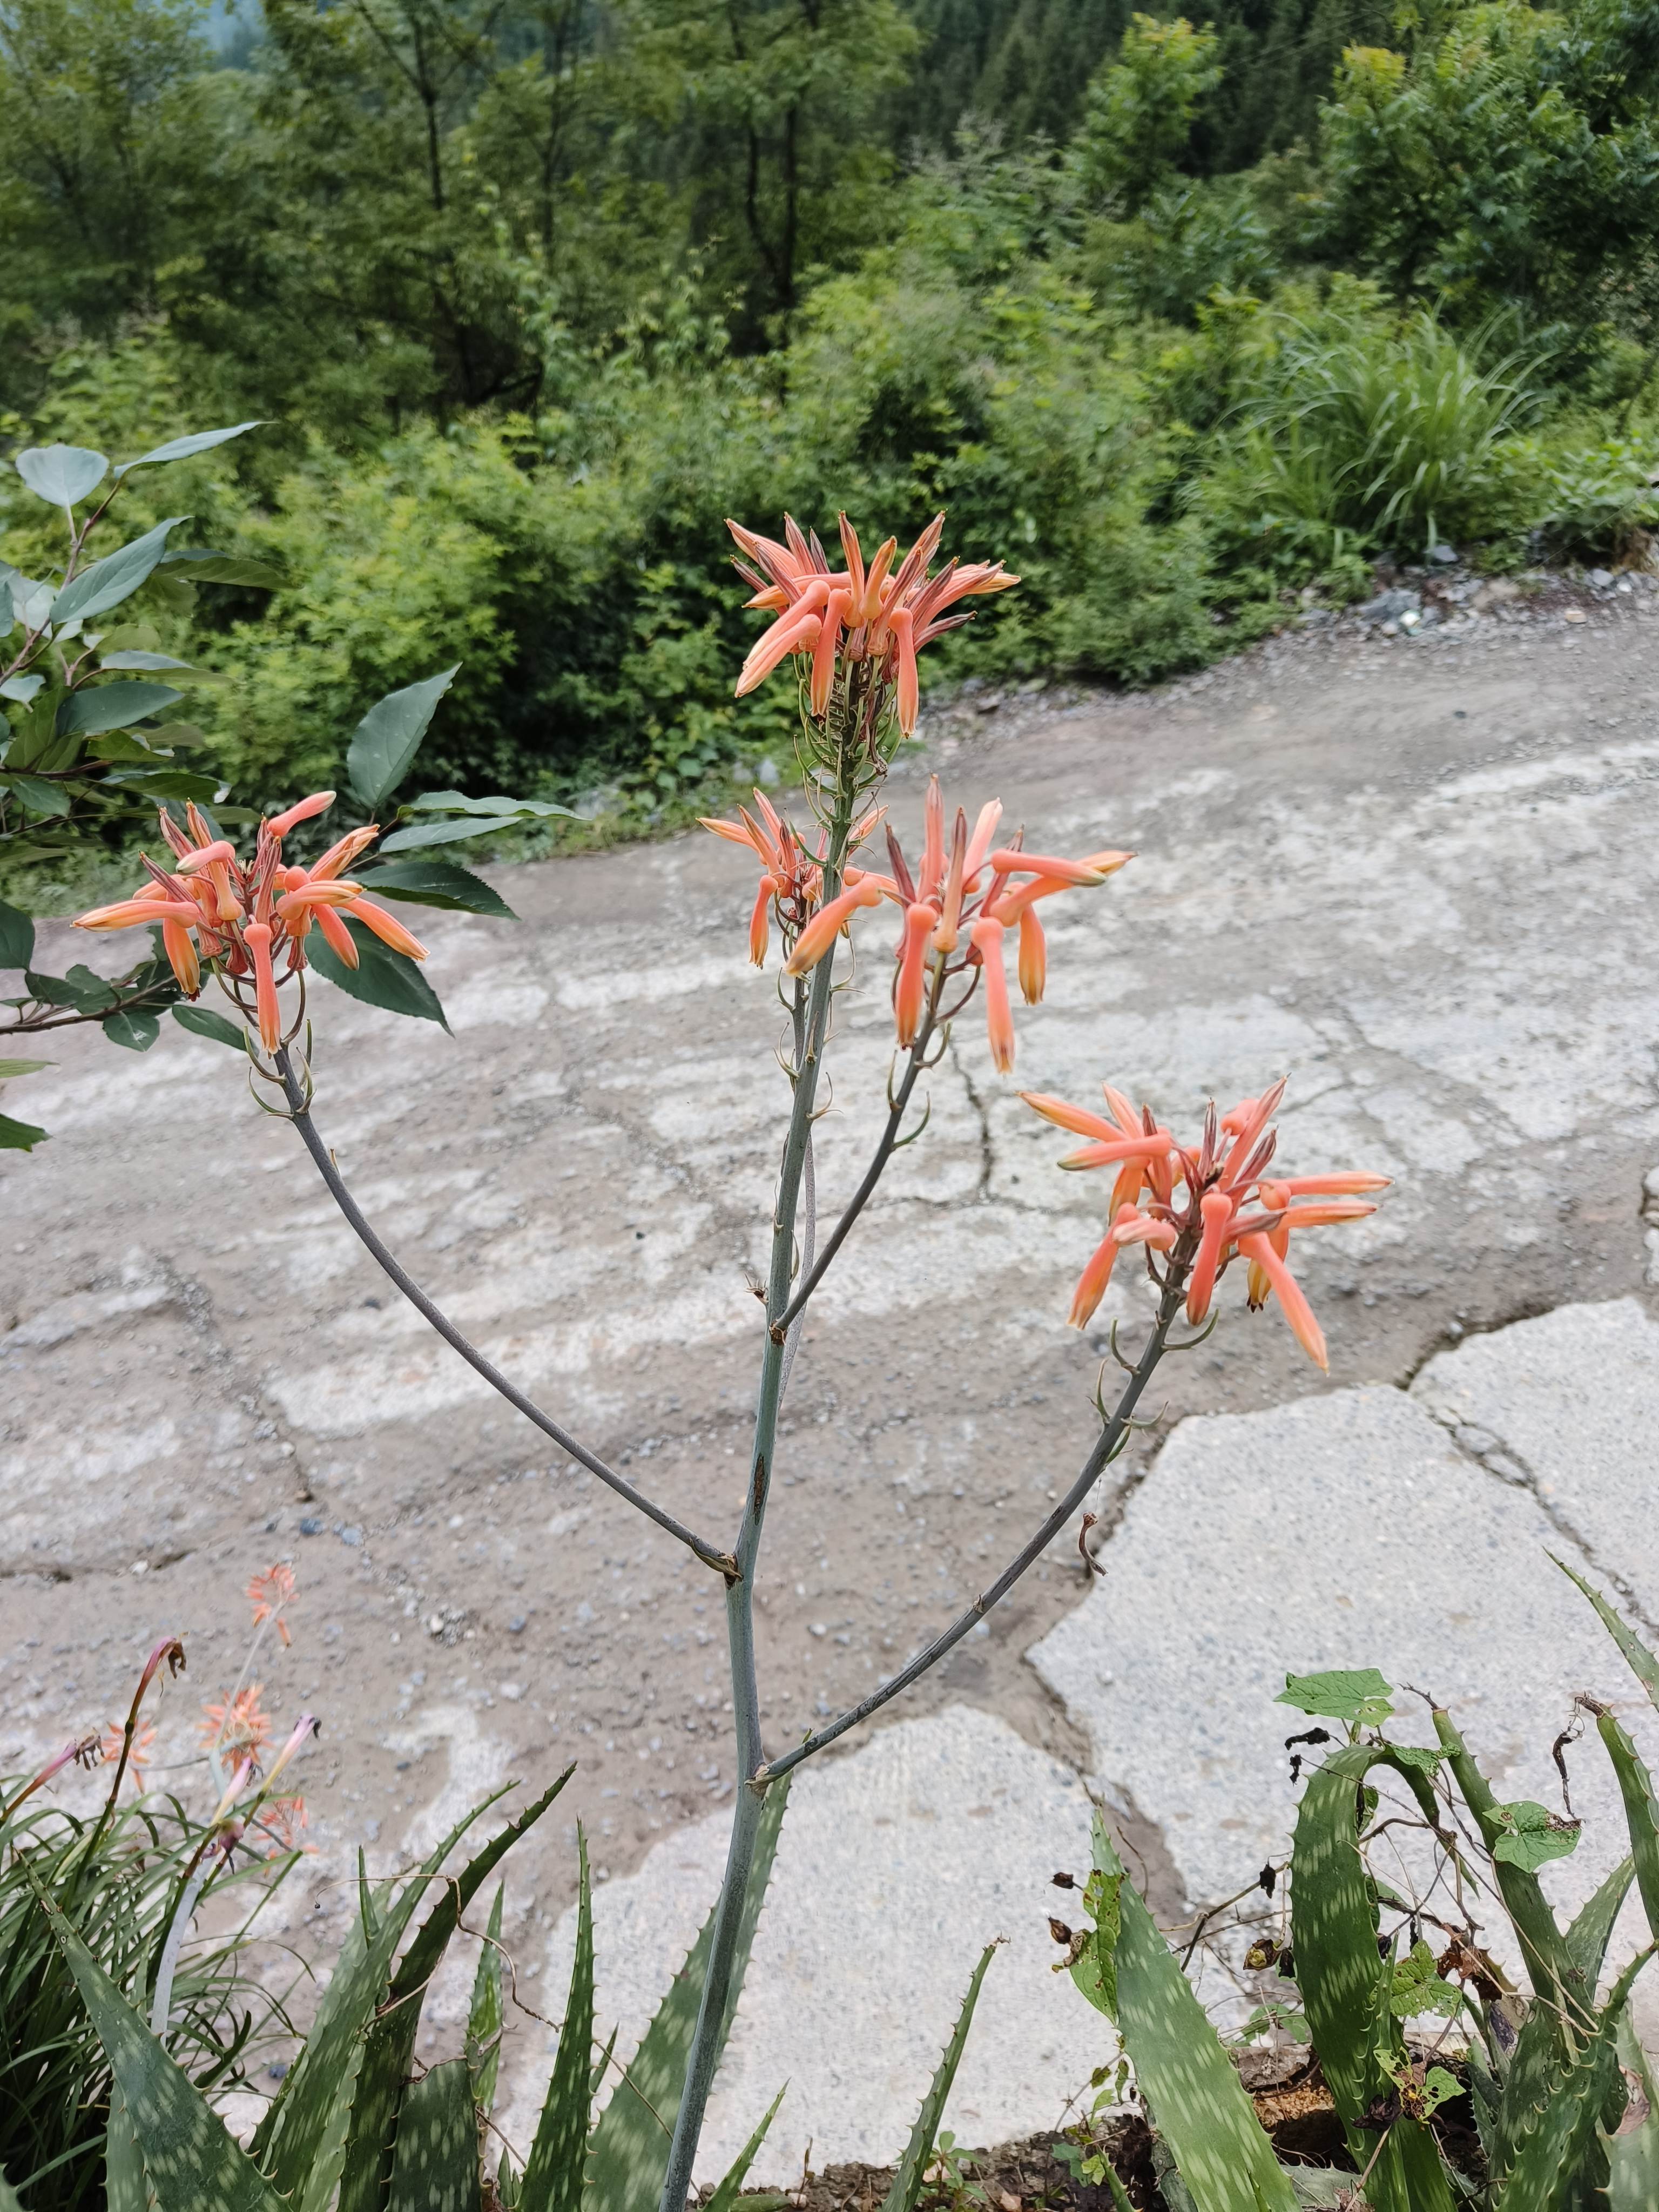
(1189, 321)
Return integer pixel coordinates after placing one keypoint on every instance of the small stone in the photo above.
(820, 1627)
(1478, 1441)
(1446, 555)
(1575, 614)
(310, 1526)
(515, 1626)
(353, 1537)
(1599, 579)
(511, 1691)
(1389, 606)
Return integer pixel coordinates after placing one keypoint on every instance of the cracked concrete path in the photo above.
(1418, 878)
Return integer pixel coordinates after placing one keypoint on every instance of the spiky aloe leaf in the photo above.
(125, 2187)
(436, 2165)
(190, 2159)
(1633, 2156)
(388, 2049)
(8, 2200)
(1643, 1664)
(1095, 1968)
(628, 2152)
(1549, 1967)
(1587, 1938)
(1641, 1815)
(1193, 2094)
(725, 2198)
(484, 2020)
(553, 2173)
(1346, 1987)
(1544, 2172)
(315, 2098)
(913, 2166)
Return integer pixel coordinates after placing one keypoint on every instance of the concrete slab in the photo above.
(1567, 1405)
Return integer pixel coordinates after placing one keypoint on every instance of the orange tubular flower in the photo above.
(1196, 1215)
(986, 936)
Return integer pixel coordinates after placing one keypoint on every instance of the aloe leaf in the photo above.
(906, 2190)
(1549, 1967)
(628, 2150)
(553, 2173)
(437, 2168)
(1643, 1664)
(1095, 1968)
(725, 2198)
(316, 2095)
(1194, 2096)
(191, 2161)
(1641, 1815)
(388, 2051)
(9, 2198)
(484, 2020)
(1544, 2174)
(1345, 1988)
(125, 2187)
(1634, 2150)
(1587, 1938)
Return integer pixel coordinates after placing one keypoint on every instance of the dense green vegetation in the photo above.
(1181, 318)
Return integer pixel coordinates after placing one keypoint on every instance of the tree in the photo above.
(1139, 111)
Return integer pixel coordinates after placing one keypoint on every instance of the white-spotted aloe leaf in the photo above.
(483, 2020)
(387, 2048)
(191, 2161)
(1095, 1967)
(1545, 2174)
(126, 2189)
(1347, 1989)
(1641, 1661)
(1641, 1815)
(555, 2171)
(628, 2149)
(1587, 1938)
(1193, 2094)
(437, 2168)
(1634, 2150)
(906, 2190)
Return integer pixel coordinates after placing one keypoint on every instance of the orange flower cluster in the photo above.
(1208, 1205)
(962, 891)
(874, 613)
(238, 1727)
(269, 1593)
(238, 917)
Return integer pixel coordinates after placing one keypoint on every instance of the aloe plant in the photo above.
(356, 2127)
(1561, 2094)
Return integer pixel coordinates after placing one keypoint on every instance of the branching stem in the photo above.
(710, 1554)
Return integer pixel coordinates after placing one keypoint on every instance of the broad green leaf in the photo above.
(1416, 1987)
(628, 2153)
(21, 687)
(16, 937)
(1544, 2174)
(136, 1030)
(1587, 1938)
(115, 578)
(164, 782)
(381, 977)
(422, 834)
(1095, 1969)
(435, 2167)
(553, 2174)
(61, 475)
(111, 707)
(1633, 2152)
(484, 2020)
(906, 2192)
(35, 795)
(452, 802)
(724, 2198)
(178, 449)
(1532, 1835)
(87, 993)
(194, 565)
(10, 1067)
(202, 1021)
(389, 736)
(132, 659)
(434, 883)
(1641, 1815)
(18, 1136)
(390, 2051)
(1641, 1661)
(1360, 1695)
(1193, 2093)
(192, 2163)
